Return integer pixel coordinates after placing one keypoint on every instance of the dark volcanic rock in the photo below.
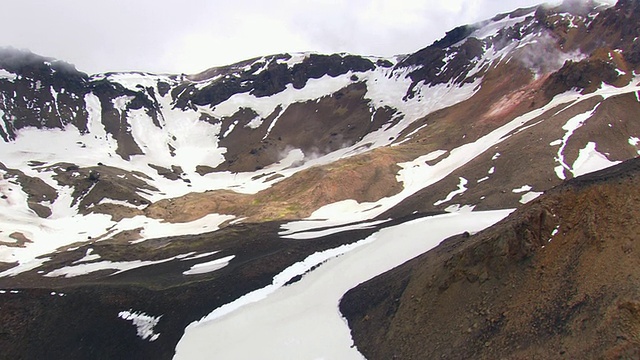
(584, 75)
(45, 93)
(266, 77)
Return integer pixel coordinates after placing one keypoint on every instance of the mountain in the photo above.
(134, 204)
(548, 281)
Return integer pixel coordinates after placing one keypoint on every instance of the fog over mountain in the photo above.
(165, 37)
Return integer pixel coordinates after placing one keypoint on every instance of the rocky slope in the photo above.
(557, 279)
(129, 190)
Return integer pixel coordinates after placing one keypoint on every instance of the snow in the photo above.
(196, 143)
(107, 200)
(570, 127)
(418, 174)
(461, 189)
(118, 266)
(590, 160)
(47, 235)
(144, 323)
(209, 266)
(9, 291)
(192, 256)
(521, 189)
(23, 266)
(302, 320)
(529, 196)
(255, 122)
(387, 88)
(89, 256)
(457, 208)
(278, 282)
(554, 233)
(296, 58)
(264, 106)
(6, 75)
(154, 228)
(634, 141)
(490, 29)
(2, 123)
(302, 232)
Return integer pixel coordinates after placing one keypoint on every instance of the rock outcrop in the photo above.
(556, 279)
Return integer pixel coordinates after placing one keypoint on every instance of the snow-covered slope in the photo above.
(115, 178)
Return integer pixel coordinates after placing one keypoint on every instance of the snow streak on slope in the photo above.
(194, 142)
(418, 174)
(302, 321)
(180, 137)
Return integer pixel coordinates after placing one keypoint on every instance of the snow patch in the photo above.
(529, 196)
(302, 320)
(209, 266)
(89, 256)
(297, 269)
(144, 323)
(461, 189)
(570, 127)
(521, 189)
(300, 234)
(255, 122)
(6, 75)
(590, 160)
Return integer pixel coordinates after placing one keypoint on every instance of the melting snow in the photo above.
(529, 196)
(461, 189)
(634, 141)
(88, 257)
(297, 269)
(590, 160)
(4, 74)
(192, 256)
(296, 229)
(302, 320)
(209, 266)
(255, 122)
(522, 189)
(88, 268)
(264, 106)
(79, 268)
(572, 125)
(144, 323)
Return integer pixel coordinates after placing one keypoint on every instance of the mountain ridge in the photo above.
(122, 181)
(538, 283)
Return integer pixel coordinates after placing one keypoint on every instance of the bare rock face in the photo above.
(556, 279)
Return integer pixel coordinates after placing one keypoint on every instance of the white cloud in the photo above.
(192, 35)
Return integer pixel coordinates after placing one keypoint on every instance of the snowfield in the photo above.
(302, 320)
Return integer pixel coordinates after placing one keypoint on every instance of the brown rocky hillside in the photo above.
(557, 279)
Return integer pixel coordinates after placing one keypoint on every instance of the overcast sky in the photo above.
(189, 36)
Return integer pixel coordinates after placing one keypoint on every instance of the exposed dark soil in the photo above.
(37, 323)
(557, 279)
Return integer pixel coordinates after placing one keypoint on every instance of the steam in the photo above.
(542, 55)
